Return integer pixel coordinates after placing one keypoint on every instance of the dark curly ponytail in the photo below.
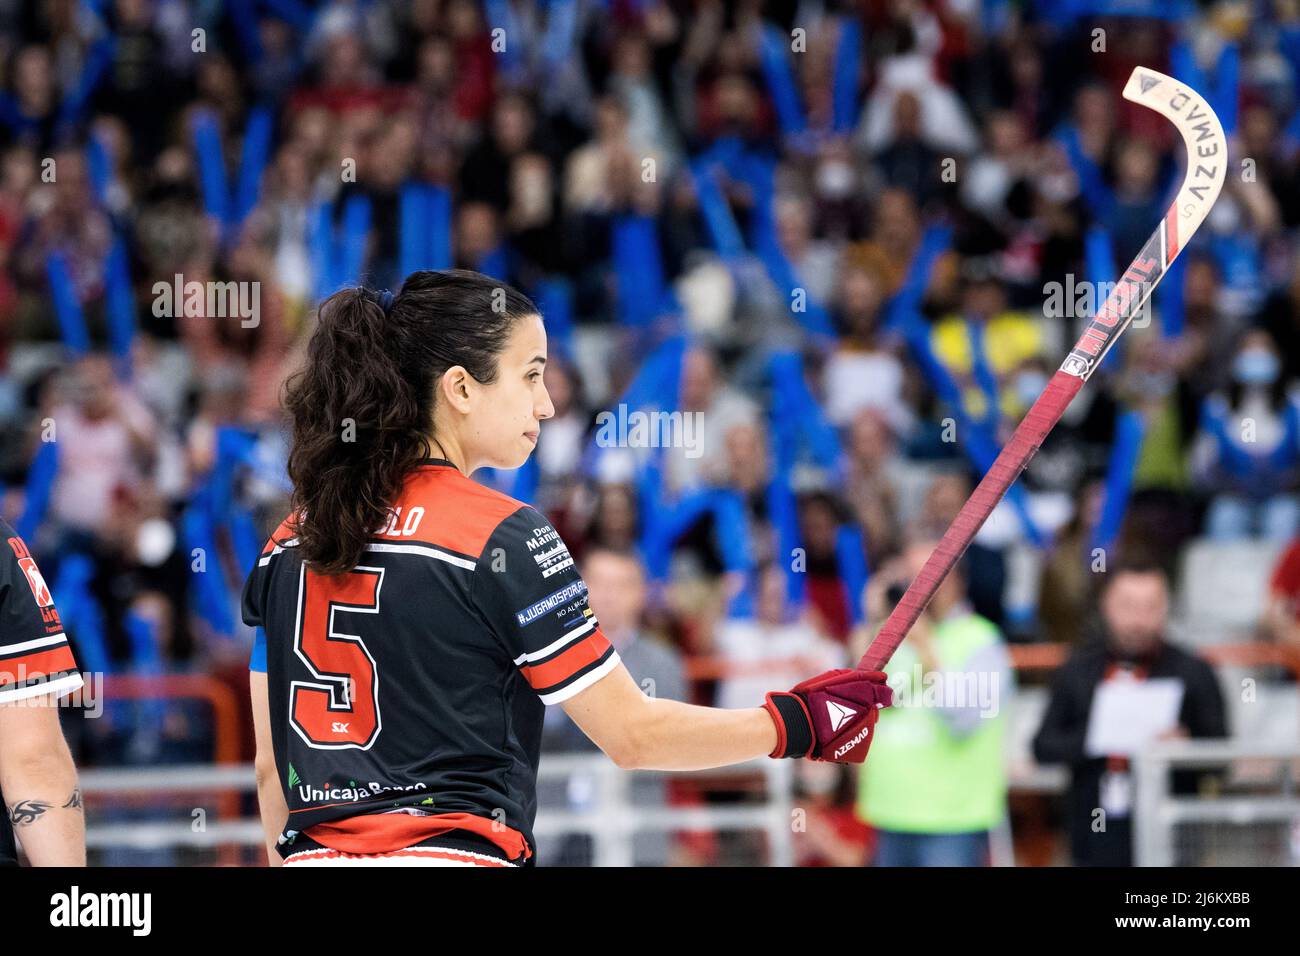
(362, 405)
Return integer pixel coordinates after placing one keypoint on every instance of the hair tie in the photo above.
(382, 299)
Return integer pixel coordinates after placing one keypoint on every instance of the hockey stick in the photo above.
(1207, 166)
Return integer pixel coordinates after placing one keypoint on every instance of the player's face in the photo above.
(508, 420)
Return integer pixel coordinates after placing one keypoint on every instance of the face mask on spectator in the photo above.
(1029, 385)
(834, 179)
(1058, 187)
(1256, 367)
(155, 540)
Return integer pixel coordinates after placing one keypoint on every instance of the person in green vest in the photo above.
(936, 783)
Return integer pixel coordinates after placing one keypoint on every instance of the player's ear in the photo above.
(455, 388)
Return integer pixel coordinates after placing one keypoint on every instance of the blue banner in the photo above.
(813, 315)
(773, 44)
(424, 236)
(81, 614)
(229, 209)
(67, 308)
(120, 307)
(638, 269)
(851, 552)
(847, 57)
(1129, 429)
(554, 296)
(40, 485)
(718, 220)
(979, 446)
(935, 241)
(338, 255)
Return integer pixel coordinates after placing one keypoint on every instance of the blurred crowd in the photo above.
(1000, 122)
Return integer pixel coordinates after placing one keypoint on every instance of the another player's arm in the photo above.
(39, 780)
(270, 798)
(639, 732)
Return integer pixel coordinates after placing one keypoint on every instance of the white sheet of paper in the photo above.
(1127, 714)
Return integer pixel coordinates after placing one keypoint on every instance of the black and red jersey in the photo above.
(35, 657)
(414, 685)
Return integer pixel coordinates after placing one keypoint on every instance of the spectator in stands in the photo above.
(1150, 387)
(908, 162)
(617, 594)
(1132, 646)
(985, 563)
(984, 344)
(991, 177)
(1281, 316)
(769, 644)
(705, 391)
(896, 231)
(875, 481)
(1065, 590)
(542, 148)
(1248, 447)
(935, 785)
(614, 521)
(821, 515)
(560, 451)
(105, 443)
(866, 370)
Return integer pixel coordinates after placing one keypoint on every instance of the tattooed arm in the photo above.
(39, 782)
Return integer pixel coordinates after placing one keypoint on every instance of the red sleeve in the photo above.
(35, 657)
(1286, 576)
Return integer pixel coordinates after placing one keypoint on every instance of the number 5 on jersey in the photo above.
(339, 710)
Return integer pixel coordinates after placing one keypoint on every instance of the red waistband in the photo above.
(385, 832)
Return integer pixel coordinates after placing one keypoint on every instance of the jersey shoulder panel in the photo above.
(281, 537)
(254, 593)
(468, 513)
(35, 656)
(530, 592)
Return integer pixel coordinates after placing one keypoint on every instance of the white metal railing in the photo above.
(1158, 812)
(611, 818)
(161, 834)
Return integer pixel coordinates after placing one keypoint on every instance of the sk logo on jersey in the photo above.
(339, 727)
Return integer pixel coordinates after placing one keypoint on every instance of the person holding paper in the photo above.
(1130, 668)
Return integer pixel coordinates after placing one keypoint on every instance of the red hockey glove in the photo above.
(830, 716)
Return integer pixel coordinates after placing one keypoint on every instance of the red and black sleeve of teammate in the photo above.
(35, 657)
